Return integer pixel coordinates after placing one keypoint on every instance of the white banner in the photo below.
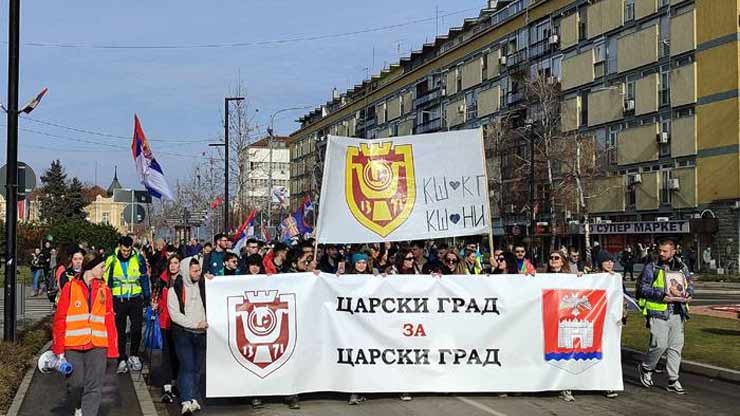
(298, 333)
(404, 188)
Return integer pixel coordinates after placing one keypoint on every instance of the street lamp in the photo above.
(11, 189)
(225, 144)
(270, 133)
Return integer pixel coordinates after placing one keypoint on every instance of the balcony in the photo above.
(425, 99)
(429, 126)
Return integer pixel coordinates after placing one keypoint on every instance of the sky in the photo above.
(104, 61)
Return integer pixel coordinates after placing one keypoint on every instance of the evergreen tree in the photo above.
(76, 201)
(53, 194)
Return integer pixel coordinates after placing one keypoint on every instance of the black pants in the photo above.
(169, 358)
(128, 309)
(629, 268)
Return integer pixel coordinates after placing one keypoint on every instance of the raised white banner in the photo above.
(404, 188)
(298, 333)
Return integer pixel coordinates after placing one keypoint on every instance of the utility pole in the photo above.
(530, 131)
(11, 190)
(225, 144)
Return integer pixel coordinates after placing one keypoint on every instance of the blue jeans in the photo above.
(190, 348)
(38, 275)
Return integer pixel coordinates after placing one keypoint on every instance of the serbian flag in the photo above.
(304, 216)
(265, 232)
(243, 233)
(150, 172)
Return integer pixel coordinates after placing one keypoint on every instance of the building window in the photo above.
(484, 67)
(556, 65)
(584, 108)
(106, 218)
(665, 36)
(458, 82)
(665, 86)
(665, 189)
(665, 145)
(611, 143)
(631, 196)
(663, 3)
(629, 10)
(582, 19)
(630, 93)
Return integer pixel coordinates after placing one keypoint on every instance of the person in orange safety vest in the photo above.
(84, 333)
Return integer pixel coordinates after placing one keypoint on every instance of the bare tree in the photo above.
(243, 131)
(563, 168)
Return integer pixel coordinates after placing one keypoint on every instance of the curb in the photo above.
(142, 393)
(15, 407)
(706, 370)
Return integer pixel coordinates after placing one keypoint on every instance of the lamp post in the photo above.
(225, 144)
(270, 137)
(11, 178)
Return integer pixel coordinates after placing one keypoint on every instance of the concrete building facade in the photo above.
(656, 82)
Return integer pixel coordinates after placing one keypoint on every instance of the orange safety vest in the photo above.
(82, 326)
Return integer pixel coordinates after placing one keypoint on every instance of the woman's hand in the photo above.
(202, 325)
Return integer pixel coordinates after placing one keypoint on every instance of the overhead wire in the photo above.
(243, 44)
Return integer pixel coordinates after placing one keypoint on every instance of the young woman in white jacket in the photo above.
(186, 303)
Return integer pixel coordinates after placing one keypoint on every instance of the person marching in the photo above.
(664, 292)
(170, 364)
(126, 275)
(85, 334)
(186, 303)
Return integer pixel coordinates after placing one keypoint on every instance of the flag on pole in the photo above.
(150, 172)
(243, 233)
(265, 232)
(217, 202)
(31, 105)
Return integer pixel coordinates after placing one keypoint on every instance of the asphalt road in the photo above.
(705, 396)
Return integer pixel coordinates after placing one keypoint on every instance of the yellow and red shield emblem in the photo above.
(380, 186)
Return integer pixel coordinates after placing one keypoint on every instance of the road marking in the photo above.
(480, 406)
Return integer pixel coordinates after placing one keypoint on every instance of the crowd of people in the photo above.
(112, 292)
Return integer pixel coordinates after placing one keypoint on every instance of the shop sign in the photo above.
(648, 227)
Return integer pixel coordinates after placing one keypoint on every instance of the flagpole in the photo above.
(488, 195)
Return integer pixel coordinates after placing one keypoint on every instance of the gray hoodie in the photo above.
(194, 311)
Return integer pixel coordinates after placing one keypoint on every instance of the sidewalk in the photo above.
(46, 395)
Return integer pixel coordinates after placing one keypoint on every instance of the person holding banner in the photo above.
(360, 264)
(253, 264)
(405, 262)
(523, 265)
(452, 263)
(555, 263)
(186, 304)
(505, 263)
(605, 263)
(472, 264)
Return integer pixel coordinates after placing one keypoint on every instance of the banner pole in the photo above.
(488, 195)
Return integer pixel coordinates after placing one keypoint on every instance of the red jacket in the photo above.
(268, 263)
(60, 317)
(164, 314)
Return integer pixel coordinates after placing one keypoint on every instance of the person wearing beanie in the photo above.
(360, 264)
(84, 333)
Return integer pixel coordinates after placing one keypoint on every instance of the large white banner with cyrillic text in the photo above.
(404, 188)
(297, 333)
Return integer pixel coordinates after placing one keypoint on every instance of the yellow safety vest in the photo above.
(124, 284)
(657, 306)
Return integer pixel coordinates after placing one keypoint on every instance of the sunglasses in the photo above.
(520, 251)
(450, 260)
(409, 258)
(500, 258)
(555, 258)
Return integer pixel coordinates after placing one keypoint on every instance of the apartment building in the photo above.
(260, 162)
(654, 81)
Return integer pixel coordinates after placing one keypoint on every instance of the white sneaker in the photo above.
(187, 409)
(567, 395)
(122, 368)
(134, 363)
(78, 412)
(195, 405)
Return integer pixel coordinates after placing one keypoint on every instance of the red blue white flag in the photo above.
(150, 172)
